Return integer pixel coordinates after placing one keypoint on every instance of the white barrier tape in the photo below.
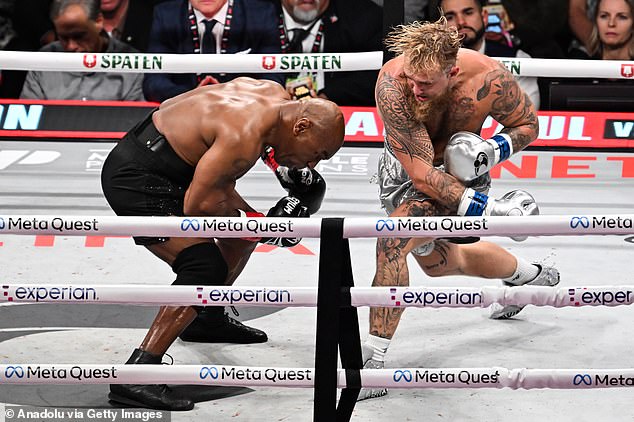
(155, 374)
(159, 295)
(225, 227)
(189, 63)
(567, 68)
(258, 63)
(496, 377)
(418, 297)
(539, 225)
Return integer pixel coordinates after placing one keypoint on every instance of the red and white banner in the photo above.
(109, 120)
(556, 129)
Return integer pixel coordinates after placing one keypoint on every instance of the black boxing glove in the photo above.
(305, 184)
(288, 206)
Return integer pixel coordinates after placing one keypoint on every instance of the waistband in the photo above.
(147, 136)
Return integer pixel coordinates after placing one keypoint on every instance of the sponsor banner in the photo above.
(160, 226)
(242, 375)
(497, 378)
(155, 374)
(494, 377)
(601, 296)
(232, 227)
(434, 297)
(159, 295)
(421, 297)
(261, 296)
(109, 120)
(488, 226)
(433, 378)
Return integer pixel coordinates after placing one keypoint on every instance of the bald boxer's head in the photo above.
(317, 133)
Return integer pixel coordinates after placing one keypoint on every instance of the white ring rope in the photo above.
(232, 227)
(258, 63)
(418, 297)
(495, 377)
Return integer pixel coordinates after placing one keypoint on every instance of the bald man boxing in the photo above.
(184, 160)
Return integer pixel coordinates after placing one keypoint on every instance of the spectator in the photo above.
(612, 32)
(540, 27)
(470, 18)
(79, 26)
(129, 21)
(251, 27)
(580, 20)
(335, 26)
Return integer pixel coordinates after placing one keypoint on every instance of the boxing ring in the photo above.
(443, 365)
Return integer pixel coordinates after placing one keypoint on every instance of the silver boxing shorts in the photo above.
(396, 187)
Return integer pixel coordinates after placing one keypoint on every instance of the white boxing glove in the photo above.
(468, 156)
(514, 203)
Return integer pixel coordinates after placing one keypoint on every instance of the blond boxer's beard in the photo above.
(422, 110)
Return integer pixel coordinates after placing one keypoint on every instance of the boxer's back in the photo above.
(243, 109)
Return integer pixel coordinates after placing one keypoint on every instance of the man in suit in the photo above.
(129, 21)
(236, 26)
(79, 27)
(470, 17)
(333, 26)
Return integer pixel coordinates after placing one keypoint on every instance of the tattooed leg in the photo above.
(480, 259)
(391, 267)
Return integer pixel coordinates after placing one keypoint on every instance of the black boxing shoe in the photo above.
(159, 397)
(213, 325)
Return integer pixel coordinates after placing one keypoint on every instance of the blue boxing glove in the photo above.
(513, 203)
(467, 156)
(306, 184)
(286, 207)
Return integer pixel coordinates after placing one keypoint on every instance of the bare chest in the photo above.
(463, 112)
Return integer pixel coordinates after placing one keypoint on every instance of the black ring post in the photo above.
(337, 328)
(328, 302)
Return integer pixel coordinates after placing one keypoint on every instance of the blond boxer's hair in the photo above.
(427, 46)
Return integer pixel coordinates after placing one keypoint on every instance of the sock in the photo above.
(524, 272)
(378, 346)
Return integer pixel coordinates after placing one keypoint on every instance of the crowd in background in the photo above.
(579, 29)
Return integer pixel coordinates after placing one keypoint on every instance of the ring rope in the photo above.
(418, 297)
(283, 63)
(236, 227)
(224, 375)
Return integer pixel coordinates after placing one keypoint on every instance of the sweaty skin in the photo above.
(480, 87)
(222, 130)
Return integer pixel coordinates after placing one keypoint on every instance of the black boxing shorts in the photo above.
(143, 176)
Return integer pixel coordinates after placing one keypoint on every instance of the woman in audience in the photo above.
(612, 36)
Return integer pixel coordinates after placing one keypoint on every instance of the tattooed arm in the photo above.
(510, 106)
(412, 145)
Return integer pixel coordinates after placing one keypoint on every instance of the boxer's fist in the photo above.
(514, 203)
(286, 207)
(305, 184)
(468, 156)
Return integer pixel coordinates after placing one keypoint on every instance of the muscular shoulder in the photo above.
(256, 84)
(474, 64)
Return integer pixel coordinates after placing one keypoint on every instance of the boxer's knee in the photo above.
(200, 264)
(444, 260)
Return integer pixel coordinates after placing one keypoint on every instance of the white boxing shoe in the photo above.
(369, 363)
(547, 276)
(371, 393)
